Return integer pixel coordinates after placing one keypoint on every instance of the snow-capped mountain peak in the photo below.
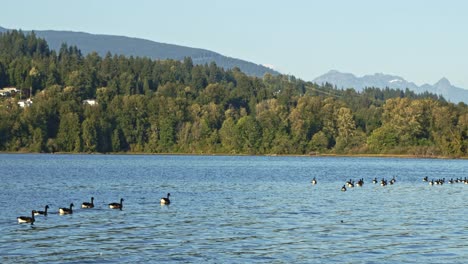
(379, 80)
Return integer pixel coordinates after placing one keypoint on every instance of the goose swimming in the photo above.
(165, 200)
(64, 211)
(27, 219)
(88, 205)
(44, 213)
(117, 205)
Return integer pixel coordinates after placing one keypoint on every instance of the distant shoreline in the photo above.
(402, 156)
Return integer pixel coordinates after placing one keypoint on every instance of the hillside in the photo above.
(145, 48)
(121, 104)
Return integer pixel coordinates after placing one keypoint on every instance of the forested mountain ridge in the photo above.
(120, 45)
(172, 106)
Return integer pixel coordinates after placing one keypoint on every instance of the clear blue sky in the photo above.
(421, 41)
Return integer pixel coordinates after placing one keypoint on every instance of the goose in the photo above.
(27, 219)
(383, 182)
(439, 182)
(360, 183)
(116, 205)
(64, 211)
(165, 200)
(343, 189)
(88, 205)
(314, 181)
(42, 212)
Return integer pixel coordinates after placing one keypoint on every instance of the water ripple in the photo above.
(232, 210)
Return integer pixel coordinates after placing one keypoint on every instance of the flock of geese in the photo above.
(383, 182)
(442, 181)
(85, 205)
(165, 200)
(351, 183)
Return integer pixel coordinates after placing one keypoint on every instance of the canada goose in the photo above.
(42, 212)
(27, 219)
(343, 189)
(439, 181)
(314, 181)
(383, 182)
(64, 211)
(360, 183)
(165, 200)
(116, 205)
(88, 205)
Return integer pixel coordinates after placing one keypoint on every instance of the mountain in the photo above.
(127, 46)
(347, 80)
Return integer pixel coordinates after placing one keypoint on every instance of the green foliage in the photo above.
(177, 106)
(319, 142)
(383, 139)
(68, 137)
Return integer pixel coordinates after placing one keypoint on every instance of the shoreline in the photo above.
(402, 156)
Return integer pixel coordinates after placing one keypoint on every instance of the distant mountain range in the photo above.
(121, 45)
(347, 80)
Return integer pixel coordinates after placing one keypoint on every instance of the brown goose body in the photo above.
(117, 205)
(44, 213)
(64, 211)
(27, 219)
(88, 205)
(165, 200)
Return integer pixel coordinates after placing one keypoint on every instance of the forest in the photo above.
(169, 106)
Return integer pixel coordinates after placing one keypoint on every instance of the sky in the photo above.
(421, 41)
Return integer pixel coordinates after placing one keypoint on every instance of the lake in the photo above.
(232, 209)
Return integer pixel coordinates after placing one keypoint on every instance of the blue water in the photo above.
(227, 209)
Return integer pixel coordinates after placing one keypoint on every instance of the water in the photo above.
(232, 210)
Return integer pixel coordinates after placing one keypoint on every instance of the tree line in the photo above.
(168, 106)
